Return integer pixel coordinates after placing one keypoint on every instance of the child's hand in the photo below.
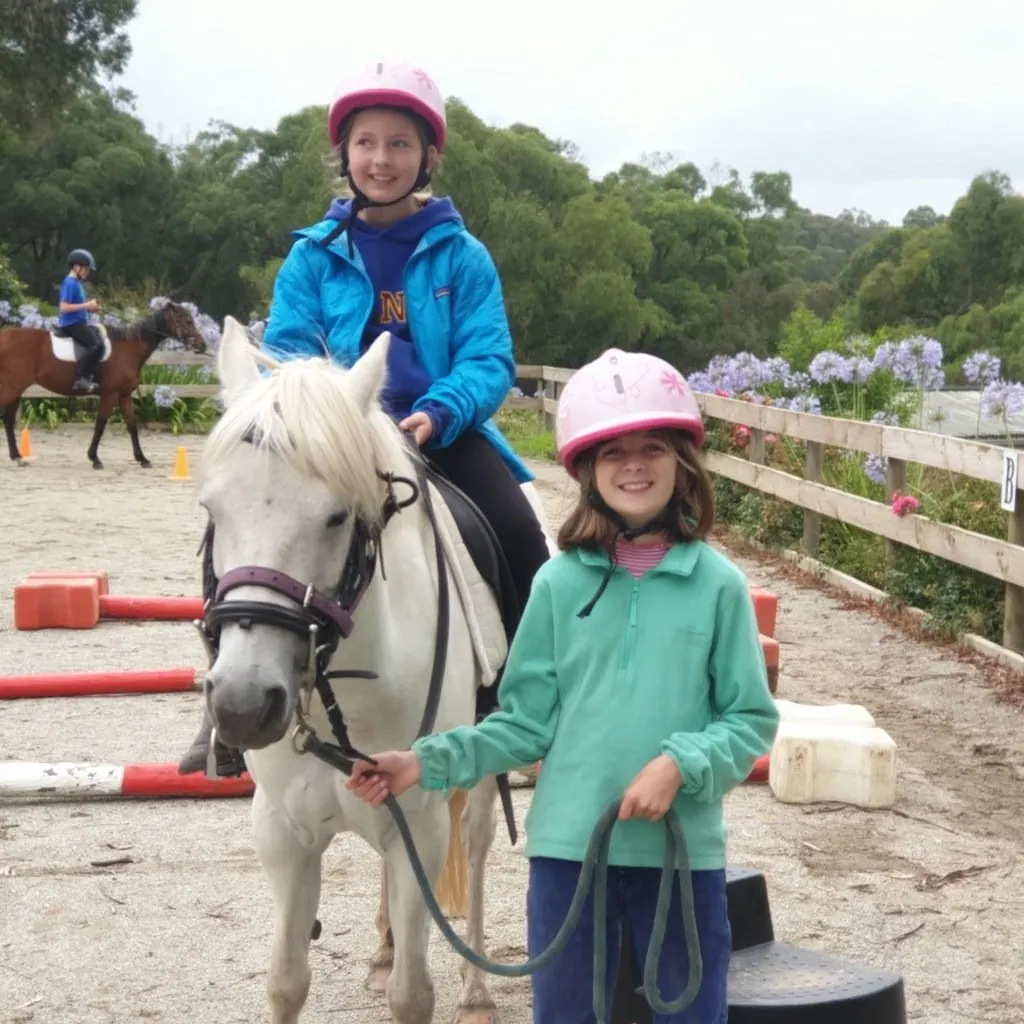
(395, 772)
(419, 423)
(651, 793)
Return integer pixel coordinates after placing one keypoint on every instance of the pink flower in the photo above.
(721, 392)
(903, 504)
(770, 439)
(740, 434)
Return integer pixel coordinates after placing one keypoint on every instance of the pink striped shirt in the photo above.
(639, 558)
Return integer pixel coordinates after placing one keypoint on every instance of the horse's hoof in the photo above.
(22, 463)
(145, 464)
(477, 1015)
(96, 464)
(377, 979)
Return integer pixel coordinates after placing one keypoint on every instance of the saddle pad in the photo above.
(478, 602)
(64, 348)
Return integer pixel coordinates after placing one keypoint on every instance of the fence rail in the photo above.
(1000, 559)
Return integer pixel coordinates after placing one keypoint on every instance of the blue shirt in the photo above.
(71, 290)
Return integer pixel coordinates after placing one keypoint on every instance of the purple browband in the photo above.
(308, 597)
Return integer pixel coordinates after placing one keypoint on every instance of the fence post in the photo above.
(540, 406)
(812, 520)
(895, 480)
(755, 451)
(1013, 605)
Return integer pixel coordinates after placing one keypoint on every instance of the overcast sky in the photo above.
(876, 104)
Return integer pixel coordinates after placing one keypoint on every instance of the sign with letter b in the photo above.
(1008, 497)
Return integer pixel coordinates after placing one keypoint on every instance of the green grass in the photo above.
(525, 432)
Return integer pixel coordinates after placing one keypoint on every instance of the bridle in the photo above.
(324, 620)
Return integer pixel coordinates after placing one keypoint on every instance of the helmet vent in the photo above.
(619, 386)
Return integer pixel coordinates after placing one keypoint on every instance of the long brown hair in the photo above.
(693, 498)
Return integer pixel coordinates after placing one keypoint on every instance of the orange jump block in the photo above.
(58, 603)
(766, 608)
(770, 650)
(101, 578)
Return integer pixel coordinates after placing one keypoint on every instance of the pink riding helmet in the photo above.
(392, 85)
(620, 392)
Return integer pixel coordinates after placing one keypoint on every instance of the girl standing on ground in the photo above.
(636, 673)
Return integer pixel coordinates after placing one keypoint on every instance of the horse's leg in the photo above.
(293, 872)
(10, 412)
(410, 990)
(478, 828)
(127, 407)
(384, 956)
(102, 415)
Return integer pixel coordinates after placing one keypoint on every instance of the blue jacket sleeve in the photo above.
(744, 716)
(522, 730)
(483, 364)
(295, 326)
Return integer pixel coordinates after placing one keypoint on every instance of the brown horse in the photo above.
(27, 356)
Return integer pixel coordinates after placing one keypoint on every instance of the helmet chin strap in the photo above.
(662, 521)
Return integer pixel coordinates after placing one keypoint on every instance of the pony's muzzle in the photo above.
(249, 714)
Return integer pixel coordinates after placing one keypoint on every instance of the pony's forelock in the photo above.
(302, 412)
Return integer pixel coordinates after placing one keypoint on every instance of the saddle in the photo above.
(489, 559)
(67, 350)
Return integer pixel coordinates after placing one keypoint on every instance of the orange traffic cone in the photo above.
(25, 445)
(181, 466)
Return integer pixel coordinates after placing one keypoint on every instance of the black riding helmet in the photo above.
(81, 258)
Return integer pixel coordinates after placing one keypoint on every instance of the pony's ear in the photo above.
(366, 378)
(236, 367)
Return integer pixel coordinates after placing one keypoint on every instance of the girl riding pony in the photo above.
(392, 259)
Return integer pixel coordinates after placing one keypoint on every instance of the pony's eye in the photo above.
(338, 519)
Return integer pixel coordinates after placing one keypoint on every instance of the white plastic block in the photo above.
(839, 714)
(816, 761)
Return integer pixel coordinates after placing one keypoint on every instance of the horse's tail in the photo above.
(451, 886)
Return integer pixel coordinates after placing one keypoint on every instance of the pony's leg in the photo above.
(105, 409)
(410, 990)
(293, 872)
(384, 956)
(478, 828)
(10, 412)
(127, 407)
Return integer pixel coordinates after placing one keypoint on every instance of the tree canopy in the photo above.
(658, 255)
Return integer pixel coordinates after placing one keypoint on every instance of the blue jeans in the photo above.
(563, 990)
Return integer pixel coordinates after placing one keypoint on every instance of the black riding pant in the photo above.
(90, 340)
(473, 464)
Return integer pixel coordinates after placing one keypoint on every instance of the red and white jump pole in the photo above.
(92, 684)
(68, 780)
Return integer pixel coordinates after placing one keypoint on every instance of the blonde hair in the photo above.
(588, 527)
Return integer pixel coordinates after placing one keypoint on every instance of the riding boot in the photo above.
(224, 762)
(197, 754)
(83, 379)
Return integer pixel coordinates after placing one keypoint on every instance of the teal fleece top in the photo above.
(668, 663)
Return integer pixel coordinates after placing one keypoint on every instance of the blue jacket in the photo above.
(323, 299)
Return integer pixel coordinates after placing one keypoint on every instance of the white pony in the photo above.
(298, 473)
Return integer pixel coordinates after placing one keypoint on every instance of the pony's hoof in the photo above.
(22, 463)
(377, 979)
(145, 464)
(477, 1015)
(96, 464)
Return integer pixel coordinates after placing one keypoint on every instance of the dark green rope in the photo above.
(594, 871)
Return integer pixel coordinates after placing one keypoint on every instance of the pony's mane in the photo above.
(133, 331)
(302, 411)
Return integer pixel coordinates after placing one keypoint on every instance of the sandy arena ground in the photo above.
(934, 890)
